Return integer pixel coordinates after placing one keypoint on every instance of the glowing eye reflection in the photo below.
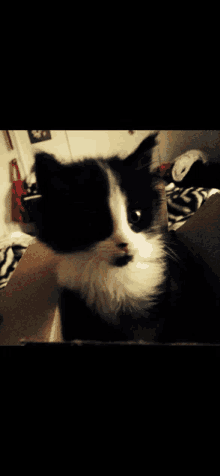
(135, 216)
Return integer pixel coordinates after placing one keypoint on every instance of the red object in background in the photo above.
(18, 189)
(164, 168)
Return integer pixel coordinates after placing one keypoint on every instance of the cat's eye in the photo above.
(135, 216)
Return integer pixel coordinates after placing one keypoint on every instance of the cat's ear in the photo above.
(46, 166)
(140, 158)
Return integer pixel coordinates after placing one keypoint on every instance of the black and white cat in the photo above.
(121, 275)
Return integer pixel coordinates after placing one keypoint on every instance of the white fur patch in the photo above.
(105, 287)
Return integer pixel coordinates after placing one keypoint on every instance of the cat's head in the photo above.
(100, 216)
(93, 200)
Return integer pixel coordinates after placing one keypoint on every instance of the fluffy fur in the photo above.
(118, 271)
(106, 287)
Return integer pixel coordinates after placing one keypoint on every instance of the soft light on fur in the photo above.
(109, 289)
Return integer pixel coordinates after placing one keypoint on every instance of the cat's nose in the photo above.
(123, 246)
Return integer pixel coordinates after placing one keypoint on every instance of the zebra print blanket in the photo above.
(12, 248)
(182, 203)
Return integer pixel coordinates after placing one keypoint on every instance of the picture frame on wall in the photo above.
(39, 136)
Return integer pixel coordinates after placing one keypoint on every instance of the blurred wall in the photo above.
(174, 143)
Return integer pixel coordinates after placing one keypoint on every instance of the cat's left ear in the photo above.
(140, 158)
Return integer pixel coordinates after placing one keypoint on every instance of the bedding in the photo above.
(188, 184)
(12, 248)
(182, 203)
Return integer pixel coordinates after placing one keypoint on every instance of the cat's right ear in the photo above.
(141, 157)
(45, 167)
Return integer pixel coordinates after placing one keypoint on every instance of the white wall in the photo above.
(175, 143)
(103, 143)
(58, 146)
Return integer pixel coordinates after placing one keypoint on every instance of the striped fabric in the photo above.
(183, 203)
(12, 248)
